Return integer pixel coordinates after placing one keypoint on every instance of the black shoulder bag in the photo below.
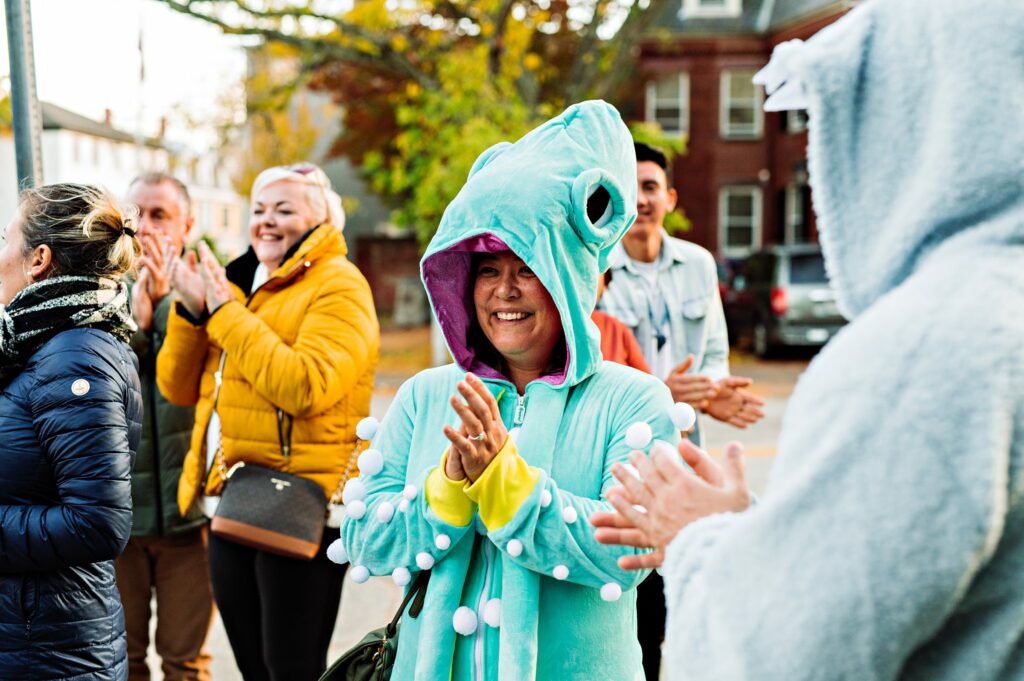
(372, 658)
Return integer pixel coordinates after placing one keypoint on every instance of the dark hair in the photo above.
(155, 177)
(87, 230)
(645, 152)
(607, 277)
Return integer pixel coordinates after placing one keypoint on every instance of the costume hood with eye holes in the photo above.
(560, 198)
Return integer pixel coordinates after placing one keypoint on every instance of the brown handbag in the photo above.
(266, 509)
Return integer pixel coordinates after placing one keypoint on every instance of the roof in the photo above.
(757, 17)
(59, 118)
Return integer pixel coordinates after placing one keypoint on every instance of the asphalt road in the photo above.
(371, 605)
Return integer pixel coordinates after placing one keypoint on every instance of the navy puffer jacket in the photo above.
(69, 426)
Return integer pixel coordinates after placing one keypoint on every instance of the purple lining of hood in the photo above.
(447, 278)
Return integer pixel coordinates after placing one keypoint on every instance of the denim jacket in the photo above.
(689, 281)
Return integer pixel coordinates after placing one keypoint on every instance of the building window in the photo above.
(668, 103)
(739, 219)
(796, 121)
(712, 8)
(796, 211)
(741, 116)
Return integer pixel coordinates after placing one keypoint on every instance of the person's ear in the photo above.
(188, 228)
(40, 262)
(673, 196)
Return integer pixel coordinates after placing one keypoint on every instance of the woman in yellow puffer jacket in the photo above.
(295, 322)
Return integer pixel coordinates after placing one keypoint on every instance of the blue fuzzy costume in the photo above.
(890, 541)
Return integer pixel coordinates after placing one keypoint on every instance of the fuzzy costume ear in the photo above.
(489, 154)
(598, 210)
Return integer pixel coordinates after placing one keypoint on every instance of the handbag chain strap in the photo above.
(218, 457)
(353, 457)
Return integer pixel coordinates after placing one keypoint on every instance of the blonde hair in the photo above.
(88, 231)
(321, 198)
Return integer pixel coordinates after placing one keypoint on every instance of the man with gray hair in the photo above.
(166, 555)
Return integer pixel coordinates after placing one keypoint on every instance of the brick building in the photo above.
(743, 180)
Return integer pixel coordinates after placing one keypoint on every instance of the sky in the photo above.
(87, 60)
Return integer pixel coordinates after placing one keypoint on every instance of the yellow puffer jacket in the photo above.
(301, 352)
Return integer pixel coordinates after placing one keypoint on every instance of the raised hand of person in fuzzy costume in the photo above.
(482, 434)
(673, 497)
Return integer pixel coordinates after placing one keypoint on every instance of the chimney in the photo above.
(108, 117)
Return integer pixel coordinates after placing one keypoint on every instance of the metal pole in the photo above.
(24, 104)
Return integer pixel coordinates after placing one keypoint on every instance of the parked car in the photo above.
(780, 297)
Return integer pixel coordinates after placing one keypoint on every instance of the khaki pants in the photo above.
(176, 571)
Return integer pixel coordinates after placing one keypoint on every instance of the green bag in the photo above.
(372, 658)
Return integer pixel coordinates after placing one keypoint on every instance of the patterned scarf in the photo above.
(45, 308)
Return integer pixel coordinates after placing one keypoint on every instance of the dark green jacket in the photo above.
(158, 463)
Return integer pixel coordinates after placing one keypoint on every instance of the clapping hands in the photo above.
(200, 282)
(482, 434)
(673, 497)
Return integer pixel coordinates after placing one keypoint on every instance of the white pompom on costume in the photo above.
(401, 576)
(403, 506)
(611, 592)
(424, 561)
(355, 490)
(638, 435)
(560, 572)
(385, 512)
(443, 542)
(683, 416)
(545, 499)
(359, 574)
(464, 621)
(367, 428)
(371, 462)
(409, 492)
(514, 548)
(492, 613)
(569, 515)
(355, 509)
(336, 552)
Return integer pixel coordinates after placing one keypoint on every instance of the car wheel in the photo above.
(763, 348)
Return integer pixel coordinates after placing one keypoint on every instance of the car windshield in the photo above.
(807, 269)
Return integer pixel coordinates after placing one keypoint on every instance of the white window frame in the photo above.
(699, 10)
(794, 122)
(794, 212)
(728, 131)
(652, 102)
(756, 220)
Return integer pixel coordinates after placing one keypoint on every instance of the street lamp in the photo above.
(24, 104)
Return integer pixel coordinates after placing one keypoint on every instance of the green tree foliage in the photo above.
(426, 85)
(6, 122)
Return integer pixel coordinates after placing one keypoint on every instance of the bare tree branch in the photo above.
(497, 46)
(383, 58)
(638, 22)
(585, 62)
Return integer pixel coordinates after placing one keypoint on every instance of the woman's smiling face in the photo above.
(280, 216)
(515, 311)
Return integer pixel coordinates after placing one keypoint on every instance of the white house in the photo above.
(78, 149)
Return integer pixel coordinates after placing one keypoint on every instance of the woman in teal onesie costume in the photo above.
(519, 587)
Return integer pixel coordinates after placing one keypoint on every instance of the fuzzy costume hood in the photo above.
(888, 188)
(889, 541)
(560, 198)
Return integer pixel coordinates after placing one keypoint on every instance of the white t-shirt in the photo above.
(660, 359)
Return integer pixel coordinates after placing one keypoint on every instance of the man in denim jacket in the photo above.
(666, 291)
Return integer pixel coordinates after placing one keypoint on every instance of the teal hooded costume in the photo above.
(537, 596)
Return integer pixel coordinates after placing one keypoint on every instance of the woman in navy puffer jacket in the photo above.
(70, 420)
